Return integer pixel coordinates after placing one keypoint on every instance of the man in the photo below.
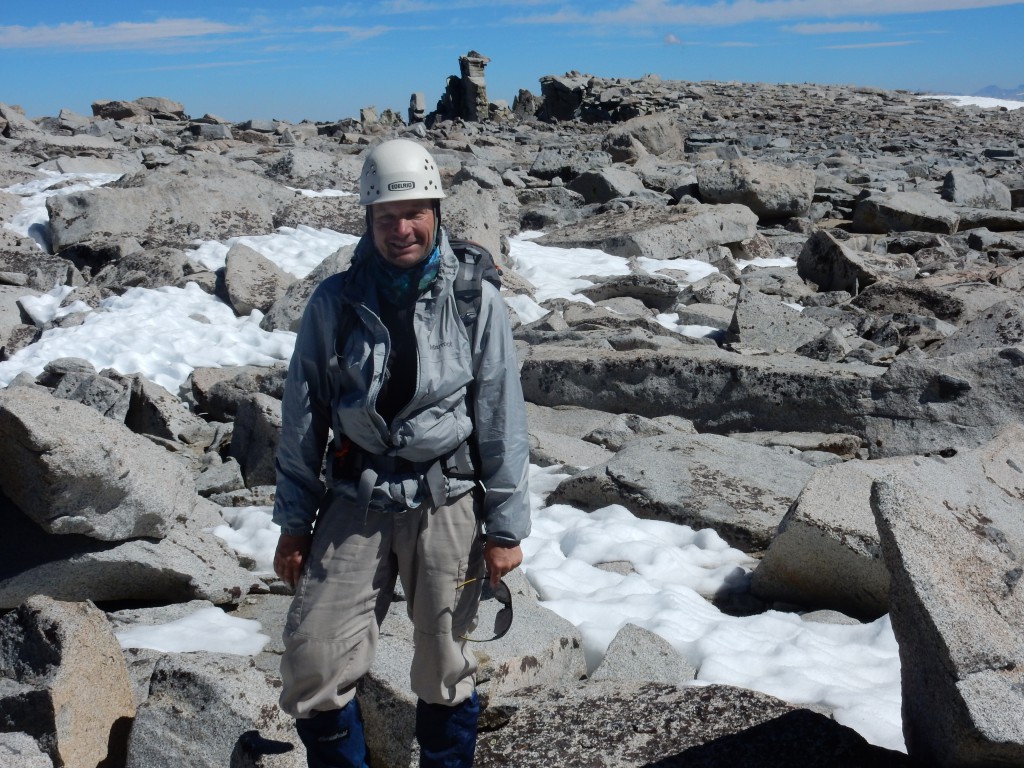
(426, 477)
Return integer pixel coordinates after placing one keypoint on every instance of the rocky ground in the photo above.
(868, 449)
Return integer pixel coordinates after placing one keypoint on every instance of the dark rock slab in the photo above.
(614, 724)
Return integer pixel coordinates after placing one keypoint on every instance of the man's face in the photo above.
(403, 230)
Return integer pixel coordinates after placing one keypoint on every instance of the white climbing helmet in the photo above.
(399, 169)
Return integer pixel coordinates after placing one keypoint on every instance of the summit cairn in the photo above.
(474, 88)
(465, 97)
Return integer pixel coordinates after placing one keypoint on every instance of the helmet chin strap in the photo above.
(437, 224)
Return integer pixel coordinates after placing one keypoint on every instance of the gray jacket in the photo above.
(333, 382)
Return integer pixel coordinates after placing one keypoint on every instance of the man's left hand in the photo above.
(501, 560)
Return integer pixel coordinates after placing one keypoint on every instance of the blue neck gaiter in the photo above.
(399, 286)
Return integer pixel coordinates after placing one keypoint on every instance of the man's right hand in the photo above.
(290, 557)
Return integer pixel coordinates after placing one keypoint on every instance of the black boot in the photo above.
(334, 739)
(447, 735)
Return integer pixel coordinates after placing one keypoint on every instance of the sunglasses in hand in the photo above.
(503, 618)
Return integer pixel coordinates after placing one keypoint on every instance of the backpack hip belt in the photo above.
(350, 462)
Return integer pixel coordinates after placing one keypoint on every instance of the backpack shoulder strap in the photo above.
(476, 264)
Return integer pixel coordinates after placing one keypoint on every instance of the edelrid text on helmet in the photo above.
(399, 169)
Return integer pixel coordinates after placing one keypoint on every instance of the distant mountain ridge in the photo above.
(995, 92)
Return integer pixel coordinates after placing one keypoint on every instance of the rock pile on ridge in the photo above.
(866, 446)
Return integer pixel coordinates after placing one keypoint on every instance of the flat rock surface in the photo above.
(615, 724)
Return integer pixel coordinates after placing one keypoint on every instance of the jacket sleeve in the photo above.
(500, 424)
(306, 416)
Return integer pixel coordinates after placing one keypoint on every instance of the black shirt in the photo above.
(402, 364)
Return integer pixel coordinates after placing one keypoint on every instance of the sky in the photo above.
(291, 61)
(853, 670)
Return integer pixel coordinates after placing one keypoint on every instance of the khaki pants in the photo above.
(344, 593)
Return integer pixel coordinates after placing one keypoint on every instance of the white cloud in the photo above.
(353, 33)
(426, 6)
(834, 28)
(671, 39)
(852, 46)
(176, 33)
(124, 34)
(329, 11)
(646, 13)
(207, 65)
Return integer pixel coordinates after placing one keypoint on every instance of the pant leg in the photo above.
(447, 735)
(331, 633)
(437, 550)
(334, 739)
